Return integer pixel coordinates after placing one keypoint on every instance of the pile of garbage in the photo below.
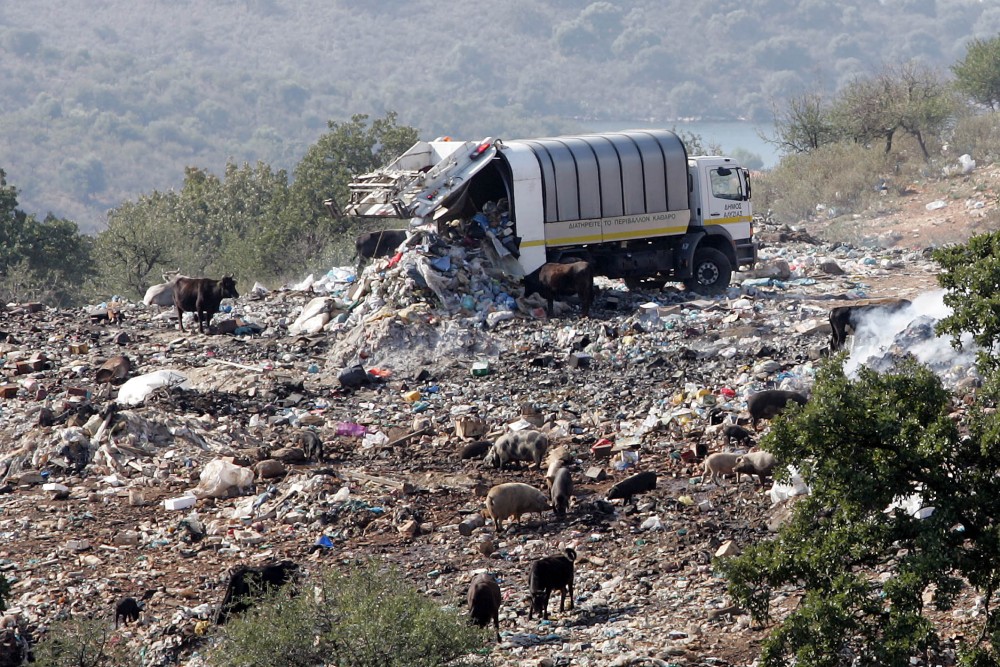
(334, 428)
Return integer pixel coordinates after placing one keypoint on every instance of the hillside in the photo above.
(926, 214)
(102, 101)
(646, 593)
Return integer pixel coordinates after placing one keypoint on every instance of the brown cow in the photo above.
(552, 280)
(202, 297)
(843, 318)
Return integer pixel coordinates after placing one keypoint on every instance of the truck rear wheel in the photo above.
(712, 272)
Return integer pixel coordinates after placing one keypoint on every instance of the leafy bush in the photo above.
(365, 616)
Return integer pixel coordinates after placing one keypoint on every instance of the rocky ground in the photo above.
(87, 483)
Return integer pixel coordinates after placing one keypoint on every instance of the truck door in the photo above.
(728, 196)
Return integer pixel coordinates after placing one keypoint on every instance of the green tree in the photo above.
(137, 244)
(803, 125)
(366, 616)
(81, 642)
(978, 73)
(908, 98)
(326, 170)
(866, 561)
(47, 260)
(234, 222)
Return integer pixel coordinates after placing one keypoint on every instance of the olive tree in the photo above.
(40, 259)
(346, 150)
(803, 124)
(904, 499)
(909, 98)
(137, 243)
(978, 73)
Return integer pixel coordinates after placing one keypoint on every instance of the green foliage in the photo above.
(136, 244)
(862, 444)
(47, 260)
(250, 221)
(804, 124)
(908, 98)
(325, 171)
(970, 274)
(364, 616)
(978, 74)
(82, 642)
(147, 114)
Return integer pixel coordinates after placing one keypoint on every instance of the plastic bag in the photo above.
(135, 390)
(221, 479)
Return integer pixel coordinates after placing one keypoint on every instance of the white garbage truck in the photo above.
(633, 203)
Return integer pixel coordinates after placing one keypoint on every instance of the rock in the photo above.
(727, 549)
(409, 528)
(830, 267)
(471, 523)
(269, 469)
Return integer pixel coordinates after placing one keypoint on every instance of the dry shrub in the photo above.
(365, 615)
(843, 177)
(979, 136)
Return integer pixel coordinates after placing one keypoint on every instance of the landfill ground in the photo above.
(86, 483)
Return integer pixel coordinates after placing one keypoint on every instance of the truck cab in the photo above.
(720, 199)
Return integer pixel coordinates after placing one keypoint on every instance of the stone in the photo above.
(270, 469)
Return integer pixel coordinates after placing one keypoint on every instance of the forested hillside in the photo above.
(101, 100)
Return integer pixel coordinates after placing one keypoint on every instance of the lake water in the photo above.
(729, 135)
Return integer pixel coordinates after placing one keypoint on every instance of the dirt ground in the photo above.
(645, 592)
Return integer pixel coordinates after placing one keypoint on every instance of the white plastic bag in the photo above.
(220, 479)
(135, 390)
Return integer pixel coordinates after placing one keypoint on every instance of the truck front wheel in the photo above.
(712, 272)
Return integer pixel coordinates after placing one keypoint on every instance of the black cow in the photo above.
(369, 245)
(552, 280)
(843, 318)
(247, 583)
(202, 297)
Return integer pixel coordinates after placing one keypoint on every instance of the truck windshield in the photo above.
(726, 184)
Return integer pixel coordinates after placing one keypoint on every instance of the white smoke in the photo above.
(883, 337)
